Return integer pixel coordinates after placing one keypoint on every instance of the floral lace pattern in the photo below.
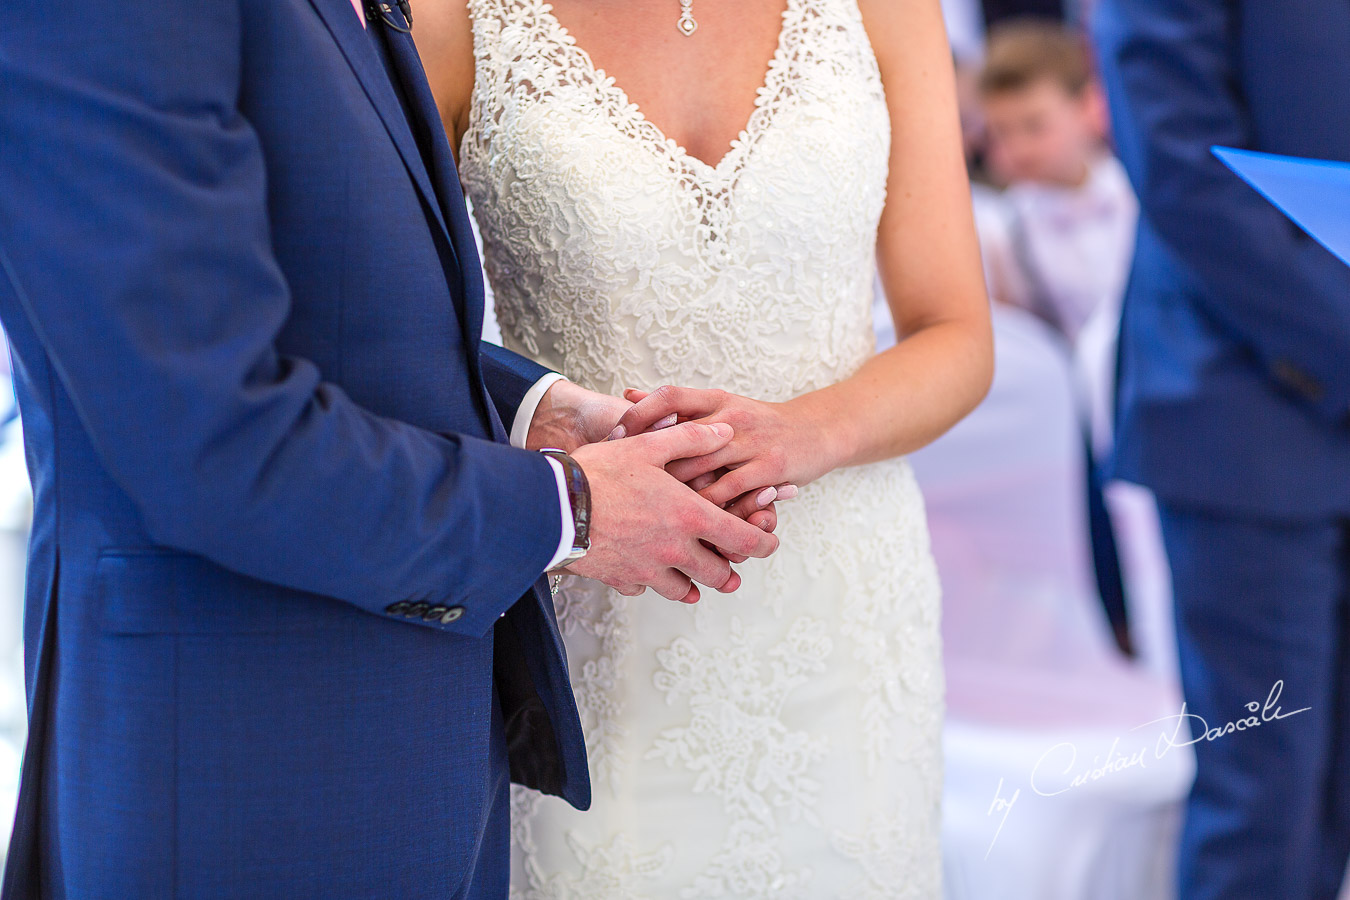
(781, 742)
(736, 741)
(890, 853)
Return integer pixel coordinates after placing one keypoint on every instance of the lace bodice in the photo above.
(622, 261)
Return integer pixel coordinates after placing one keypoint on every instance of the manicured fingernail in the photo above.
(618, 433)
(722, 429)
(666, 422)
(766, 497)
(787, 492)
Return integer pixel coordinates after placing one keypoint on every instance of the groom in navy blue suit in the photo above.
(1234, 407)
(286, 627)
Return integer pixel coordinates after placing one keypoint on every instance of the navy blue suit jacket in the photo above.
(277, 526)
(1234, 368)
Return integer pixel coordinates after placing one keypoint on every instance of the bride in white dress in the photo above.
(782, 741)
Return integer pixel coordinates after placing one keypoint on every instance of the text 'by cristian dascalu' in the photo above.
(1058, 771)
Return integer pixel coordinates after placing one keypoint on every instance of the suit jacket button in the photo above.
(435, 613)
(397, 609)
(417, 610)
(452, 614)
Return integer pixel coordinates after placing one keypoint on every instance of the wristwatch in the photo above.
(579, 495)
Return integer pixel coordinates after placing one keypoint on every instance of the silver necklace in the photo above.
(687, 25)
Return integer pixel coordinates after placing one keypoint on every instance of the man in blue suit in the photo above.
(287, 634)
(1234, 407)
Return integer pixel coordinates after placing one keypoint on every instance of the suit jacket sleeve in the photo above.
(1170, 73)
(508, 377)
(134, 235)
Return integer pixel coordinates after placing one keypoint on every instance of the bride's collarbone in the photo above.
(699, 91)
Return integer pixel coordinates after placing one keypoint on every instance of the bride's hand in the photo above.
(776, 445)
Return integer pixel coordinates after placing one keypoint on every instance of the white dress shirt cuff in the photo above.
(520, 430)
(569, 530)
(520, 425)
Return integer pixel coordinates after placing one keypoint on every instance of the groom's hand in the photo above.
(650, 530)
(570, 416)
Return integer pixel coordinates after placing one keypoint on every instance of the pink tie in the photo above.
(356, 4)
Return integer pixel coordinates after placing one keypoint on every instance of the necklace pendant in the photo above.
(687, 25)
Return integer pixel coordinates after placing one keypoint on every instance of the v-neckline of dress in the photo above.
(625, 110)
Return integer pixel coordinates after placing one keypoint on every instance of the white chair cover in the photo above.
(1034, 683)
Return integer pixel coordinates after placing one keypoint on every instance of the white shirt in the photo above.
(1080, 243)
(1077, 241)
(520, 429)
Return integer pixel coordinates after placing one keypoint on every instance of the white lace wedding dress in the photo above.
(782, 741)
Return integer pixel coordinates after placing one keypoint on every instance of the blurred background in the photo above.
(1061, 665)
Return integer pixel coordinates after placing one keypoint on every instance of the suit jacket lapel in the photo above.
(440, 188)
(355, 44)
(445, 177)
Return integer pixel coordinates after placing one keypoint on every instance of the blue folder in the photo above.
(1314, 193)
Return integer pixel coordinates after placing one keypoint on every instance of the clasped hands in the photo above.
(684, 482)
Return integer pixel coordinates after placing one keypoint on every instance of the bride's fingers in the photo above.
(632, 395)
(687, 470)
(622, 432)
(734, 484)
(752, 502)
(665, 401)
(765, 518)
(702, 481)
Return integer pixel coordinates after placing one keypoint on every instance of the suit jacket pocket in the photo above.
(155, 591)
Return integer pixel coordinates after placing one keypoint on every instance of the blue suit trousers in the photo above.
(1263, 617)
